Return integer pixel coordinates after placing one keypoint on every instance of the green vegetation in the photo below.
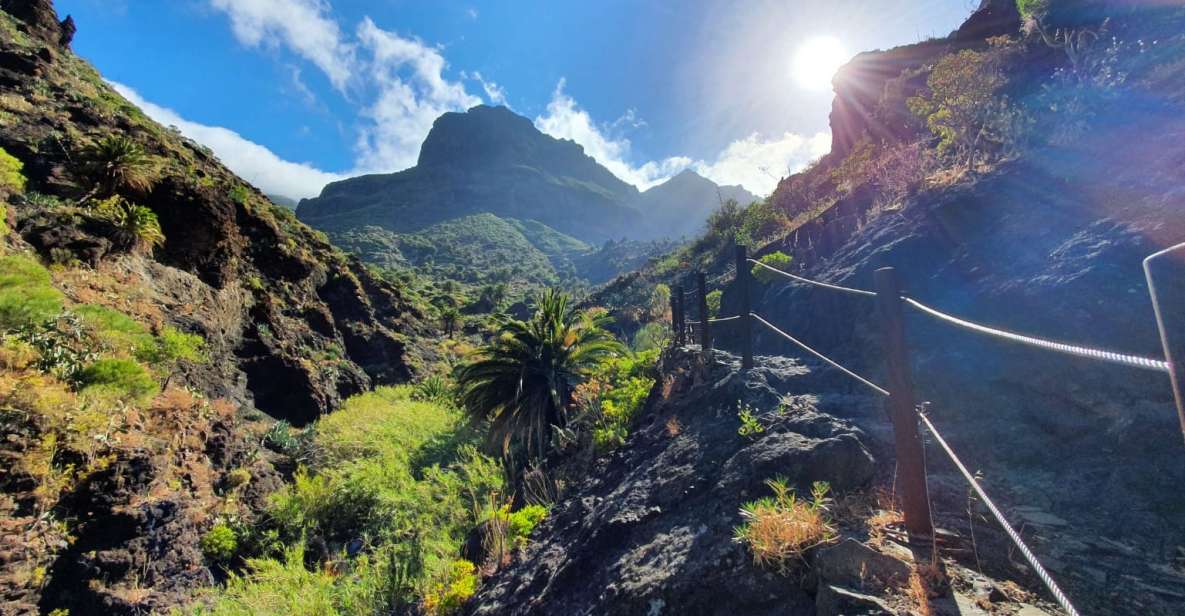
(609, 400)
(777, 260)
(523, 380)
(402, 474)
(11, 178)
(118, 163)
(713, 299)
(134, 224)
(779, 529)
(26, 295)
(448, 595)
(122, 377)
(220, 543)
(751, 426)
(1032, 8)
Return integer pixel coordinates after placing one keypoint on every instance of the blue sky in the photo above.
(292, 94)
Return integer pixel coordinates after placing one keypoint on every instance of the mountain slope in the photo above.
(135, 377)
(485, 160)
(679, 206)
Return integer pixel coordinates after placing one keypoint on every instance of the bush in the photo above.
(116, 331)
(11, 178)
(123, 377)
(713, 298)
(521, 523)
(651, 336)
(135, 225)
(435, 388)
(220, 544)
(172, 345)
(611, 398)
(402, 473)
(26, 296)
(449, 594)
(777, 260)
(1032, 8)
(781, 528)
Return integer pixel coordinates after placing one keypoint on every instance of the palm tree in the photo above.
(522, 381)
(448, 318)
(118, 163)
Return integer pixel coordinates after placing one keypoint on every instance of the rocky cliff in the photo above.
(138, 365)
(650, 530)
(263, 288)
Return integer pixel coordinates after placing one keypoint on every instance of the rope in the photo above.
(1012, 534)
(833, 287)
(1068, 349)
(863, 380)
(689, 322)
(723, 319)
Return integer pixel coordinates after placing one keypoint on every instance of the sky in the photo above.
(293, 94)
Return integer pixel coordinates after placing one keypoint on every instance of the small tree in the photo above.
(136, 225)
(448, 318)
(777, 260)
(522, 381)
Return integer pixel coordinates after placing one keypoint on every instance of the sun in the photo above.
(817, 61)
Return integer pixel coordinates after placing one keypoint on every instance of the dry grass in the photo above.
(674, 428)
(781, 528)
(885, 517)
(927, 581)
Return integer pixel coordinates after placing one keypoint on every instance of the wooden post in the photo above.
(674, 317)
(1169, 266)
(705, 334)
(911, 457)
(746, 325)
(680, 324)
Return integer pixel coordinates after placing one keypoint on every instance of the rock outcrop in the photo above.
(264, 290)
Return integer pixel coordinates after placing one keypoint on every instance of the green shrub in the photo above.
(285, 587)
(11, 177)
(435, 388)
(220, 544)
(651, 336)
(26, 296)
(615, 394)
(1032, 8)
(117, 331)
(521, 523)
(172, 345)
(777, 260)
(135, 224)
(403, 473)
(124, 377)
(62, 345)
(453, 590)
(713, 298)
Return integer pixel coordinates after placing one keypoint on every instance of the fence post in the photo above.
(1166, 303)
(911, 461)
(705, 334)
(746, 325)
(677, 316)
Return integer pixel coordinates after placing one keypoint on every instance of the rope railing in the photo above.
(1060, 347)
(825, 285)
(1046, 579)
(877, 388)
(900, 390)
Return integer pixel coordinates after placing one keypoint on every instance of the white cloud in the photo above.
(754, 162)
(412, 93)
(565, 119)
(495, 93)
(302, 25)
(758, 163)
(254, 162)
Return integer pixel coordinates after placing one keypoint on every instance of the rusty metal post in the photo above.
(911, 457)
(1169, 265)
(705, 334)
(745, 322)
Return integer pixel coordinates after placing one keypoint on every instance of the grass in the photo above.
(779, 529)
(11, 176)
(403, 475)
(124, 378)
(26, 296)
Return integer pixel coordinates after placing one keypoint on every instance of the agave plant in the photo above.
(522, 381)
(118, 163)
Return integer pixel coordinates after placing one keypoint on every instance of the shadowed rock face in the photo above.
(488, 159)
(651, 530)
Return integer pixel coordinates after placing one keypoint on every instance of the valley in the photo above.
(457, 388)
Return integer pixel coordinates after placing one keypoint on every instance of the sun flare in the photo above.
(817, 61)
